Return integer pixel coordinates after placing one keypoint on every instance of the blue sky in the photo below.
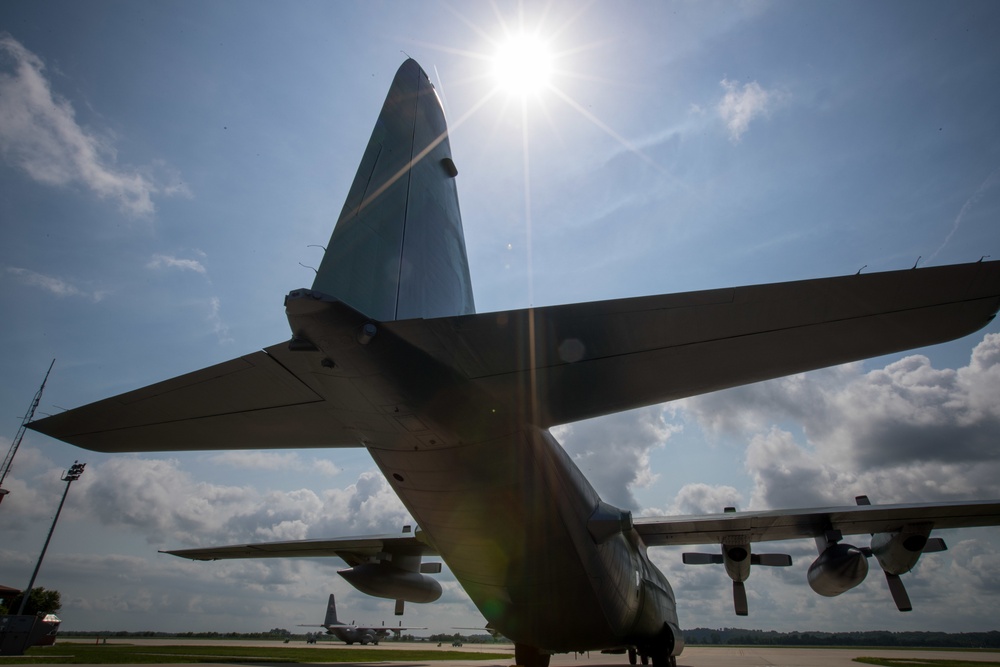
(165, 168)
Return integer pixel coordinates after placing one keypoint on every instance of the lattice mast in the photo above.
(9, 459)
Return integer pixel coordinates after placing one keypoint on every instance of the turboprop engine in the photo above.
(897, 552)
(737, 558)
(841, 567)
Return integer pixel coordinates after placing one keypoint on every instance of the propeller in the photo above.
(898, 591)
(738, 558)
(701, 559)
(896, 587)
(740, 598)
(739, 588)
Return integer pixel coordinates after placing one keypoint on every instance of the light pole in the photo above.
(69, 477)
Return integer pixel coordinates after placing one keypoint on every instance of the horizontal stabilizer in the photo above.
(272, 399)
(352, 550)
(590, 359)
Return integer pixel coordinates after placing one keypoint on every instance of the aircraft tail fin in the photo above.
(398, 249)
(331, 613)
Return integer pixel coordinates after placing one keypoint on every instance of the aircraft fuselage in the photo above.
(500, 500)
(350, 635)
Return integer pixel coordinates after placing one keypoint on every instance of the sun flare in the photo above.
(522, 65)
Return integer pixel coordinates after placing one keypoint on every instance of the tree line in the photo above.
(743, 637)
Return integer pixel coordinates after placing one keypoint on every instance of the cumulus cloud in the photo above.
(908, 431)
(40, 135)
(170, 262)
(160, 500)
(701, 498)
(614, 451)
(53, 285)
(740, 105)
(277, 461)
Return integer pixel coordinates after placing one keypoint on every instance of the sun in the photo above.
(522, 65)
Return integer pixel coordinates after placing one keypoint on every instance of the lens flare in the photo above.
(522, 65)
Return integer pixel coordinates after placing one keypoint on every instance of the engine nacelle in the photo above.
(839, 568)
(897, 553)
(383, 580)
(736, 558)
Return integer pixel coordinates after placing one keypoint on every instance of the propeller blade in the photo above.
(771, 560)
(898, 591)
(740, 598)
(399, 608)
(701, 559)
(934, 544)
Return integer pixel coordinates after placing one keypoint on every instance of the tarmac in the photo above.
(693, 656)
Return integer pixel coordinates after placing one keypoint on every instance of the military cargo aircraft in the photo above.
(350, 633)
(388, 353)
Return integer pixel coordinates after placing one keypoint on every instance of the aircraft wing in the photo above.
(583, 360)
(352, 550)
(800, 523)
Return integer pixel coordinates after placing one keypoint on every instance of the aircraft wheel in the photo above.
(632, 656)
(529, 656)
(662, 658)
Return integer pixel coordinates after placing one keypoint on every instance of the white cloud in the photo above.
(276, 461)
(53, 285)
(739, 106)
(904, 432)
(219, 327)
(700, 498)
(39, 134)
(169, 262)
(161, 501)
(991, 181)
(613, 451)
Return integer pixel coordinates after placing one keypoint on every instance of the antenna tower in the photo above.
(9, 459)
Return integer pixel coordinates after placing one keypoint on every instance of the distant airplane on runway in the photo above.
(387, 352)
(350, 633)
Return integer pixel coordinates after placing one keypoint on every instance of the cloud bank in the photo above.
(40, 135)
(903, 432)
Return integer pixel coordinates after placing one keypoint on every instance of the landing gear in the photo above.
(529, 656)
(660, 654)
(662, 659)
(632, 656)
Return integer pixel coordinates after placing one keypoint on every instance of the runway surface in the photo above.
(694, 656)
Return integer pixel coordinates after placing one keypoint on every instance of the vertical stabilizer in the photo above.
(398, 250)
(331, 613)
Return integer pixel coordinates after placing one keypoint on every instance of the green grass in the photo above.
(111, 654)
(923, 662)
